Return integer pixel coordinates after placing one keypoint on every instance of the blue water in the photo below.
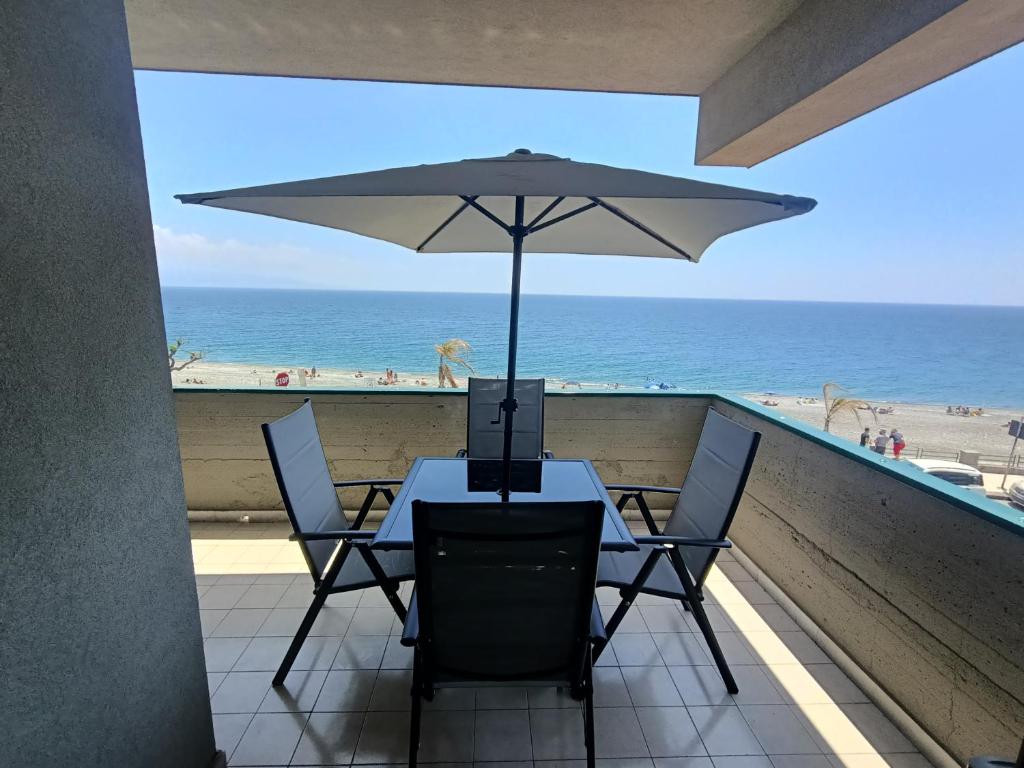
(908, 353)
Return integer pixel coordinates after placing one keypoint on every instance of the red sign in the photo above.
(281, 380)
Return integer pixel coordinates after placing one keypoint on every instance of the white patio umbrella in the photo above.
(532, 202)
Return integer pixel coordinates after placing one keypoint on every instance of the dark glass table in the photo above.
(465, 480)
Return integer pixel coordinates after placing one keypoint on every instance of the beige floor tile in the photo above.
(222, 596)
(681, 649)
(852, 729)
(895, 760)
(240, 692)
(784, 648)
(346, 691)
(228, 730)
(669, 732)
(298, 694)
(502, 735)
(209, 618)
(778, 729)
(814, 684)
(742, 761)
(241, 622)
(261, 595)
(703, 686)
(651, 687)
(270, 739)
(683, 762)
(384, 738)
(222, 652)
(332, 621)
(329, 738)
(800, 761)
(664, 618)
(724, 731)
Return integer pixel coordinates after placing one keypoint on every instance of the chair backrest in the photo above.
(505, 590)
(712, 489)
(485, 440)
(304, 478)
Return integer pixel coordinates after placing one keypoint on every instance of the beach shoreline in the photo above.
(927, 427)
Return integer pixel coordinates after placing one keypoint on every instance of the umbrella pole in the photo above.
(508, 405)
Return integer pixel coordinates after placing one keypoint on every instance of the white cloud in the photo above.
(189, 258)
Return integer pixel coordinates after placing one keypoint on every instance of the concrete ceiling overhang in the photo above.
(770, 73)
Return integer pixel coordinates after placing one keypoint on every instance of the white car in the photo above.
(1017, 494)
(963, 475)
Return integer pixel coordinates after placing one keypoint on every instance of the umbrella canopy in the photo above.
(535, 203)
(621, 212)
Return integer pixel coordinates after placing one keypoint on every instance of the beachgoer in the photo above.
(881, 442)
(898, 443)
(864, 437)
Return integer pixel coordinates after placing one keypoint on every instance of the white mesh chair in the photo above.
(325, 534)
(674, 562)
(505, 596)
(485, 432)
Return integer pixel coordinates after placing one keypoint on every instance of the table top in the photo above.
(466, 480)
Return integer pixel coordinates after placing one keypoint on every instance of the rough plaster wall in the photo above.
(926, 597)
(100, 644)
(637, 439)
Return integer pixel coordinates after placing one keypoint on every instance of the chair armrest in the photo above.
(411, 630)
(683, 541)
(461, 453)
(332, 535)
(357, 483)
(642, 489)
(597, 630)
(547, 455)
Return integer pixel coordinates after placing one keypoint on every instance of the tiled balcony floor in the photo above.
(660, 702)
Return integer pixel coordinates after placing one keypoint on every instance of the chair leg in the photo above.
(702, 619)
(417, 702)
(323, 589)
(588, 715)
(319, 598)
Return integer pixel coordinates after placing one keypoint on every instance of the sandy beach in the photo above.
(926, 427)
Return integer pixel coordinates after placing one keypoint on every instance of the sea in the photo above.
(946, 355)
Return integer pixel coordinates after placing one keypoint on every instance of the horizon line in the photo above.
(597, 296)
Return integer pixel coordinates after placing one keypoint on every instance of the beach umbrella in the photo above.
(523, 202)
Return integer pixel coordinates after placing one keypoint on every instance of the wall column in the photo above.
(100, 646)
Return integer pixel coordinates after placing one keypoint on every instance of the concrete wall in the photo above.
(926, 597)
(642, 439)
(100, 643)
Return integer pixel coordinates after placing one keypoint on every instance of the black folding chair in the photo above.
(505, 595)
(675, 562)
(485, 432)
(325, 534)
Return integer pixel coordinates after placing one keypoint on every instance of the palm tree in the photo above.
(835, 404)
(451, 351)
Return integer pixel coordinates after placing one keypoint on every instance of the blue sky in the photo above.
(919, 201)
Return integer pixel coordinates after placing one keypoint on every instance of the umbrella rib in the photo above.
(545, 212)
(444, 224)
(642, 227)
(564, 216)
(471, 200)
